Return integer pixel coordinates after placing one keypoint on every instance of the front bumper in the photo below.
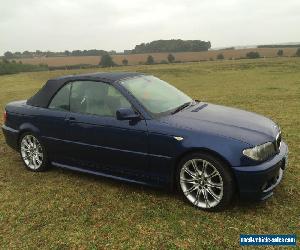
(258, 182)
(11, 136)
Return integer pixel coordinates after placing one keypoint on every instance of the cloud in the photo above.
(75, 24)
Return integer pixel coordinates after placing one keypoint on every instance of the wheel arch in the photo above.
(27, 128)
(199, 150)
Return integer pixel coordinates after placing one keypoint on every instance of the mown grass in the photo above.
(61, 209)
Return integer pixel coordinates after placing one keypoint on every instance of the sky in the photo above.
(59, 25)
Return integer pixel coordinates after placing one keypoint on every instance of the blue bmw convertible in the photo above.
(135, 127)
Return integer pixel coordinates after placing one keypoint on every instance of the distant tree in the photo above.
(38, 53)
(18, 54)
(280, 52)
(107, 61)
(150, 60)
(253, 55)
(164, 62)
(125, 61)
(298, 52)
(67, 53)
(8, 55)
(76, 52)
(27, 54)
(220, 56)
(171, 58)
(5, 61)
(112, 52)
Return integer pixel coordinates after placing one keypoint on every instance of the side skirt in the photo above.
(87, 171)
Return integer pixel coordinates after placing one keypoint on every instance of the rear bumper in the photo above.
(258, 182)
(11, 136)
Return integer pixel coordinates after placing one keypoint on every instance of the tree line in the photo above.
(13, 67)
(106, 60)
(173, 45)
(279, 46)
(39, 53)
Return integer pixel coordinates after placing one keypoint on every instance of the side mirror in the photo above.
(126, 114)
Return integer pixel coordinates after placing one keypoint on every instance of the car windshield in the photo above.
(157, 96)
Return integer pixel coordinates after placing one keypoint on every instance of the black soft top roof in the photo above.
(44, 95)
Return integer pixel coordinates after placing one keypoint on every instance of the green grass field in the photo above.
(62, 209)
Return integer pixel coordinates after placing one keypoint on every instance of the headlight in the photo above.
(260, 152)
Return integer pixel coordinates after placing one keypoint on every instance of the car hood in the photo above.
(238, 124)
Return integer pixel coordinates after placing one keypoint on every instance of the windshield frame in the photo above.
(151, 114)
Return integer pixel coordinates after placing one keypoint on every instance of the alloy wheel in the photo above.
(201, 183)
(32, 152)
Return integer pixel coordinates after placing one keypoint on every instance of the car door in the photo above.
(100, 142)
(53, 126)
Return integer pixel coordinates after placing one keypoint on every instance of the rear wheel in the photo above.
(33, 153)
(205, 181)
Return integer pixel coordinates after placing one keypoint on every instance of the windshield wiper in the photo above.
(181, 107)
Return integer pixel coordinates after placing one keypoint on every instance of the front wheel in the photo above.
(205, 181)
(33, 153)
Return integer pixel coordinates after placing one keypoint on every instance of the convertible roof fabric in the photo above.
(44, 95)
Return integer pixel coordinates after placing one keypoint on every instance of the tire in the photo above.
(211, 191)
(33, 153)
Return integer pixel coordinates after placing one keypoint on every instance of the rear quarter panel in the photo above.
(25, 118)
(21, 117)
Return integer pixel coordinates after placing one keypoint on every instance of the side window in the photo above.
(61, 99)
(96, 98)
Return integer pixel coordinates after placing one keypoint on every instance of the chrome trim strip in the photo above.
(4, 127)
(276, 141)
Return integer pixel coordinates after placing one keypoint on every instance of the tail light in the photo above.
(4, 117)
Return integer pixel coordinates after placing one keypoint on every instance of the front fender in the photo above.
(227, 148)
(163, 143)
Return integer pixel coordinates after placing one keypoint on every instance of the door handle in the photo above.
(71, 119)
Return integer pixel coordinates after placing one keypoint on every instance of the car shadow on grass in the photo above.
(159, 192)
(128, 187)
